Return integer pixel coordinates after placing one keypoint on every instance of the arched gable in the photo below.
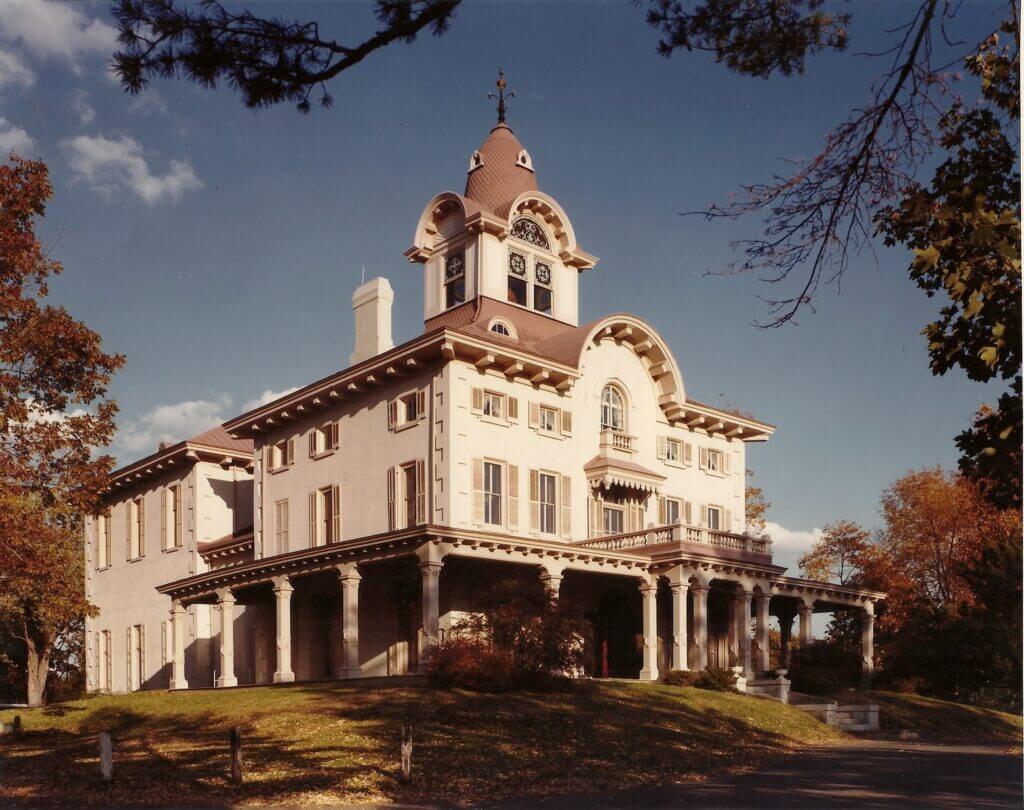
(544, 208)
(444, 216)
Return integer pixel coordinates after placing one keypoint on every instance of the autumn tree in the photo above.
(838, 554)
(756, 506)
(54, 414)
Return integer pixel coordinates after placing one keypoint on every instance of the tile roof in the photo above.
(500, 178)
(218, 437)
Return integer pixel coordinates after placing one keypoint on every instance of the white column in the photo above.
(551, 579)
(283, 630)
(700, 624)
(649, 592)
(430, 579)
(806, 613)
(226, 604)
(178, 646)
(349, 578)
(867, 645)
(680, 642)
(761, 606)
(743, 600)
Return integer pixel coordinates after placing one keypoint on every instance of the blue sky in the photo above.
(218, 247)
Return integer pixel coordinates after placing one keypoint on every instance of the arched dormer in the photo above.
(544, 209)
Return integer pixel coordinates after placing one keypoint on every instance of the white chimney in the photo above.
(371, 304)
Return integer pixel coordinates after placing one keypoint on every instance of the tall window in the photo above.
(517, 279)
(329, 517)
(612, 411)
(715, 460)
(411, 493)
(612, 520)
(102, 540)
(714, 518)
(492, 493)
(454, 279)
(281, 525)
(170, 521)
(672, 511)
(547, 499)
(135, 528)
(542, 287)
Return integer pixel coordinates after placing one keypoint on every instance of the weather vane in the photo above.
(500, 84)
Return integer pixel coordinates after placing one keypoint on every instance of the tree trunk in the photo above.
(39, 648)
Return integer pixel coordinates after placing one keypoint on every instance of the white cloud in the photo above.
(791, 539)
(111, 165)
(83, 109)
(13, 139)
(55, 30)
(14, 71)
(147, 102)
(264, 398)
(171, 424)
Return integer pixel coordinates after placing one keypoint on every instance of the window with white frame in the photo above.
(543, 293)
(613, 413)
(500, 328)
(280, 454)
(716, 518)
(103, 539)
(325, 516)
(714, 460)
(494, 405)
(613, 519)
(281, 526)
(517, 284)
(323, 439)
(674, 451)
(454, 279)
(548, 502)
(492, 493)
(548, 419)
(170, 519)
(673, 511)
(135, 528)
(407, 410)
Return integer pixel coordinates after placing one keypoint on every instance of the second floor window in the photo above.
(547, 500)
(715, 520)
(325, 516)
(170, 520)
(493, 405)
(673, 450)
(281, 526)
(715, 460)
(135, 529)
(548, 419)
(454, 279)
(542, 294)
(612, 411)
(517, 279)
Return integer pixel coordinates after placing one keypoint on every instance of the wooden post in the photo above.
(106, 757)
(406, 774)
(236, 756)
(17, 725)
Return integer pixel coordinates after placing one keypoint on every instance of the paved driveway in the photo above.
(864, 774)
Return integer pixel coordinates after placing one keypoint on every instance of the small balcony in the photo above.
(617, 441)
(681, 533)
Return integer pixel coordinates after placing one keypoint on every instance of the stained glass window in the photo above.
(455, 279)
(529, 231)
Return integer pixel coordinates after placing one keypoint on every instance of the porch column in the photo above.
(551, 579)
(226, 604)
(680, 585)
(786, 615)
(349, 578)
(700, 623)
(431, 561)
(177, 646)
(761, 606)
(806, 613)
(283, 623)
(743, 600)
(649, 592)
(733, 634)
(867, 645)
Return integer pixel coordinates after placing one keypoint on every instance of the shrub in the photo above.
(824, 667)
(517, 640)
(715, 680)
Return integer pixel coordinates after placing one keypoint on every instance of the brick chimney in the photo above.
(371, 304)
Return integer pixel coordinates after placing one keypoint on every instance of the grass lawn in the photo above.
(318, 743)
(941, 720)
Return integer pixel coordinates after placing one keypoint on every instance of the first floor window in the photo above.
(613, 520)
(492, 493)
(715, 518)
(281, 526)
(547, 500)
(454, 279)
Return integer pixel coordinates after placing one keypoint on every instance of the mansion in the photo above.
(340, 530)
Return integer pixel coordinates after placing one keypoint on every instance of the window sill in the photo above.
(276, 470)
(136, 559)
(677, 464)
(494, 420)
(103, 568)
(551, 434)
(171, 549)
(323, 454)
(406, 425)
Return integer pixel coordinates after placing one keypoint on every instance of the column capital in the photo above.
(225, 596)
(648, 583)
(348, 572)
(699, 589)
(869, 610)
(679, 587)
(177, 607)
(806, 605)
(430, 553)
(282, 584)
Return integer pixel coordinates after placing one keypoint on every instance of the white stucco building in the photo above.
(338, 531)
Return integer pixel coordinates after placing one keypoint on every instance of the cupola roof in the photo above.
(500, 170)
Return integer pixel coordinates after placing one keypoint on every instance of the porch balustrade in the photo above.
(674, 533)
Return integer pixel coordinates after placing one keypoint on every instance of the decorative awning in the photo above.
(620, 472)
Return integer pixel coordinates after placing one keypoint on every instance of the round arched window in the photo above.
(500, 329)
(613, 414)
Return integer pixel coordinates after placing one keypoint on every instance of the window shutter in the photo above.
(285, 517)
(566, 422)
(476, 404)
(512, 510)
(164, 507)
(421, 404)
(662, 511)
(421, 492)
(312, 518)
(513, 409)
(312, 443)
(566, 504)
(336, 515)
(703, 458)
(593, 517)
(688, 453)
(128, 658)
(107, 536)
(534, 414)
(128, 508)
(703, 515)
(142, 654)
(335, 435)
(392, 523)
(268, 457)
(662, 447)
(392, 414)
(478, 491)
(291, 451)
(534, 497)
(142, 526)
(688, 512)
(636, 517)
(178, 535)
